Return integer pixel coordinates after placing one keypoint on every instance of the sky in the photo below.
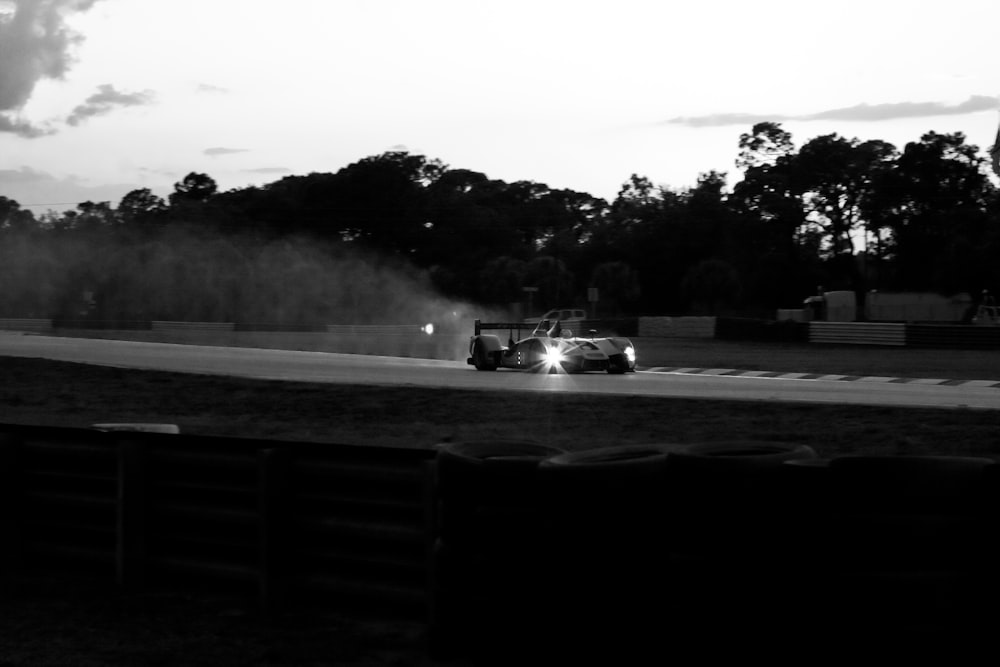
(101, 97)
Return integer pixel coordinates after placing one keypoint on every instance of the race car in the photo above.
(551, 349)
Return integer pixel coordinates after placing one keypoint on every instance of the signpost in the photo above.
(592, 297)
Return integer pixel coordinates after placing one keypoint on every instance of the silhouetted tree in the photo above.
(141, 206)
(617, 284)
(711, 283)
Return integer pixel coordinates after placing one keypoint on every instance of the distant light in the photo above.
(428, 329)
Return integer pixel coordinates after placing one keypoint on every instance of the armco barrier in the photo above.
(279, 521)
(858, 333)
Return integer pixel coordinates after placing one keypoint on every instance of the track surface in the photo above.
(362, 369)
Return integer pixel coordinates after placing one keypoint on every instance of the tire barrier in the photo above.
(727, 521)
(487, 559)
(603, 510)
(723, 495)
(908, 545)
(523, 549)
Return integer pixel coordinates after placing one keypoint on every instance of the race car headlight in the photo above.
(554, 356)
(630, 354)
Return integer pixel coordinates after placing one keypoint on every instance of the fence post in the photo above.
(428, 492)
(131, 520)
(272, 467)
(10, 505)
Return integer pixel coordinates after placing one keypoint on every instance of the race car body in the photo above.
(549, 349)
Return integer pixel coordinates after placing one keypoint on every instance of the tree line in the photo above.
(838, 212)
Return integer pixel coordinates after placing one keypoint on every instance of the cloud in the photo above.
(220, 150)
(22, 127)
(209, 88)
(268, 170)
(858, 112)
(36, 45)
(40, 191)
(876, 112)
(105, 100)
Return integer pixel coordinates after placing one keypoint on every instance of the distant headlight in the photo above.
(554, 356)
(630, 354)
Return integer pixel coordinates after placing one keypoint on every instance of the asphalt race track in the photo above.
(363, 369)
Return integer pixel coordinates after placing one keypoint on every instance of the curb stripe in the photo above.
(819, 376)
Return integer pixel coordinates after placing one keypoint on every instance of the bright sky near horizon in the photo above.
(99, 97)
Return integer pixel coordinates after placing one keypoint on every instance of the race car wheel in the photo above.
(481, 358)
(617, 365)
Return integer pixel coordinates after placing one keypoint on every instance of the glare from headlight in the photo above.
(630, 354)
(554, 356)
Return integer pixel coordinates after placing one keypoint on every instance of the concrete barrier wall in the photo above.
(410, 341)
(192, 326)
(393, 341)
(916, 307)
(25, 324)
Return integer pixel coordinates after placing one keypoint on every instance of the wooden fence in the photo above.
(281, 521)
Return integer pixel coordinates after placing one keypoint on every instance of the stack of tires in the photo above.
(604, 528)
(614, 553)
(733, 525)
(908, 548)
(487, 559)
(732, 549)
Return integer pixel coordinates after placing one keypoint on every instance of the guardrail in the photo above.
(864, 333)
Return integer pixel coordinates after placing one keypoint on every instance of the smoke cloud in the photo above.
(222, 150)
(287, 285)
(105, 100)
(35, 44)
(859, 113)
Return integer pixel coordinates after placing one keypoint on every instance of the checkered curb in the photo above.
(819, 376)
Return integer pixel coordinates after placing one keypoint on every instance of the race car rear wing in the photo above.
(511, 326)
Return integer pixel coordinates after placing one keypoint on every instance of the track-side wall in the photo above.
(410, 341)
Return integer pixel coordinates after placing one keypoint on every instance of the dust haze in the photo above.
(111, 281)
